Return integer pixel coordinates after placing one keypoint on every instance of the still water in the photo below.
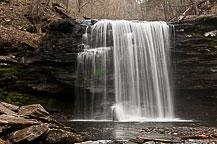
(107, 130)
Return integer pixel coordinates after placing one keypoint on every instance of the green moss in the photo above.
(3, 69)
(9, 72)
(198, 87)
(199, 45)
(32, 44)
(25, 99)
(16, 98)
(193, 53)
(52, 102)
(98, 72)
(211, 53)
(3, 92)
(197, 35)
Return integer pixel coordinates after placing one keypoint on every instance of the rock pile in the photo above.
(33, 124)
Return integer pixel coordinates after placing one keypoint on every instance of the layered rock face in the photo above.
(194, 63)
(195, 54)
(42, 73)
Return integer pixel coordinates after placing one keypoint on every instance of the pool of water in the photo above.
(108, 130)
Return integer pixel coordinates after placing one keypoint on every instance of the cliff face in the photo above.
(194, 62)
(42, 72)
(195, 54)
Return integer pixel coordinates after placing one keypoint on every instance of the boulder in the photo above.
(2, 141)
(8, 59)
(58, 125)
(34, 111)
(10, 106)
(211, 34)
(62, 137)
(6, 110)
(12, 120)
(29, 134)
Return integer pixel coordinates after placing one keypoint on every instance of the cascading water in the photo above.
(125, 66)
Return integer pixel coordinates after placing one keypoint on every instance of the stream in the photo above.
(107, 130)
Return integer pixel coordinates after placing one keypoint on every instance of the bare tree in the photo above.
(34, 11)
(194, 5)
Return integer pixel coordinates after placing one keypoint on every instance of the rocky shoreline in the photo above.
(33, 124)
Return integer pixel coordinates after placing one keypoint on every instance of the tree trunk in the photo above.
(194, 5)
(48, 2)
(67, 4)
(34, 11)
(35, 16)
(165, 9)
(79, 3)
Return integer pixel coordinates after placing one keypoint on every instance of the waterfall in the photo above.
(124, 71)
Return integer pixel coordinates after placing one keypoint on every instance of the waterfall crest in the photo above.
(125, 67)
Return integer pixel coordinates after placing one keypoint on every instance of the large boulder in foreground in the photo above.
(29, 134)
(33, 124)
(5, 110)
(10, 106)
(17, 121)
(2, 141)
(35, 110)
(59, 136)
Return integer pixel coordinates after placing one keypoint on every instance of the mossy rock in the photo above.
(198, 35)
(6, 69)
(198, 87)
(3, 92)
(9, 72)
(29, 43)
(193, 53)
(16, 98)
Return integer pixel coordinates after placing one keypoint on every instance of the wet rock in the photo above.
(139, 140)
(59, 136)
(211, 34)
(2, 141)
(7, 59)
(118, 142)
(90, 142)
(46, 87)
(35, 111)
(10, 106)
(20, 128)
(29, 134)
(6, 110)
(17, 121)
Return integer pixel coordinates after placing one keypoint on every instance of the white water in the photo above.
(131, 59)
